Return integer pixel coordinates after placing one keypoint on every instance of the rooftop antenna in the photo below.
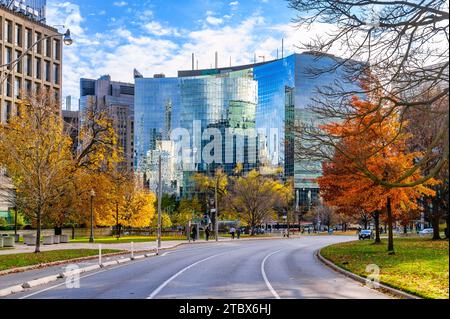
(193, 60)
(217, 60)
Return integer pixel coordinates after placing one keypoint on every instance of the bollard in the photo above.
(157, 248)
(132, 251)
(100, 254)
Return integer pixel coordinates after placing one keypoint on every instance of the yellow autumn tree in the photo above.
(37, 157)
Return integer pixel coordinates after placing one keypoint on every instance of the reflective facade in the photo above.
(266, 97)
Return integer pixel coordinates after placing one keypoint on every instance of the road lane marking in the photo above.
(168, 281)
(266, 280)
(82, 277)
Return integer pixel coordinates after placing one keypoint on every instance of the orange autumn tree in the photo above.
(372, 144)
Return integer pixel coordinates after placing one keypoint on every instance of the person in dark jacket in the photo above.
(207, 234)
(194, 233)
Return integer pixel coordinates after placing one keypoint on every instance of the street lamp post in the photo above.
(159, 199)
(91, 238)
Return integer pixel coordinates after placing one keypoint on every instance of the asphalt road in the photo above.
(263, 269)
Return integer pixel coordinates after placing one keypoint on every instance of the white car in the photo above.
(426, 232)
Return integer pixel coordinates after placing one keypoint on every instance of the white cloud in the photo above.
(234, 3)
(157, 29)
(213, 20)
(120, 3)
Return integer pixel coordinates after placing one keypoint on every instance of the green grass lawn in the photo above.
(126, 239)
(31, 259)
(420, 266)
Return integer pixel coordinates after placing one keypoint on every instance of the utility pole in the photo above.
(159, 199)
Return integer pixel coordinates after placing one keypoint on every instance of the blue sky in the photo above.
(158, 36)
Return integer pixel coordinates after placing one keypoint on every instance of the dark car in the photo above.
(365, 234)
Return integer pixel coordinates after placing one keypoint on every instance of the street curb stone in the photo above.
(11, 290)
(40, 281)
(390, 290)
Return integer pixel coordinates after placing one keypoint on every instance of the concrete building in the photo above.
(72, 126)
(22, 23)
(41, 66)
(118, 99)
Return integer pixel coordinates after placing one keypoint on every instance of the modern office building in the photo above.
(41, 66)
(264, 98)
(118, 99)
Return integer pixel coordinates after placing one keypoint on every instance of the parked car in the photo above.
(365, 234)
(426, 232)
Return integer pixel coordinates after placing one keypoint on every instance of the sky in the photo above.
(159, 36)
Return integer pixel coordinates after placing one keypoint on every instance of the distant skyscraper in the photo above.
(118, 99)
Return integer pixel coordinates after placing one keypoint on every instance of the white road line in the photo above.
(82, 277)
(266, 280)
(168, 281)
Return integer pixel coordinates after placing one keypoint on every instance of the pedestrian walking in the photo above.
(207, 233)
(194, 233)
(238, 233)
(233, 232)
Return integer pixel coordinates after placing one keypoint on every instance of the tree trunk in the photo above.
(390, 226)
(377, 227)
(436, 221)
(38, 233)
(73, 232)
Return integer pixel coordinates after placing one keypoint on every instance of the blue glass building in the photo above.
(278, 93)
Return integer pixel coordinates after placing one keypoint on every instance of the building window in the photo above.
(8, 89)
(8, 31)
(47, 71)
(28, 65)
(8, 111)
(18, 35)
(17, 88)
(57, 50)
(28, 38)
(38, 68)
(56, 73)
(19, 62)
(48, 47)
(8, 57)
(28, 86)
(38, 47)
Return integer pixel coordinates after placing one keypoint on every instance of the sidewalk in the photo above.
(142, 246)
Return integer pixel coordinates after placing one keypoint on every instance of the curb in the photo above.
(383, 288)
